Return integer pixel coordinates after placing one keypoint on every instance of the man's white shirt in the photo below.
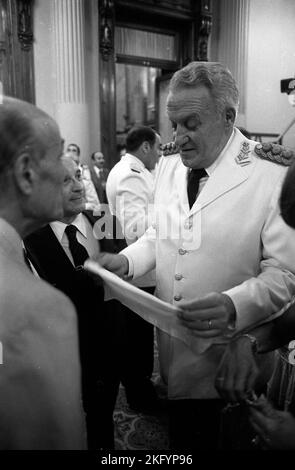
(84, 235)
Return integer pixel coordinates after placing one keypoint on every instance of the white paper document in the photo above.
(155, 311)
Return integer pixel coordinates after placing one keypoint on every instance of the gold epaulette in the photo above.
(169, 149)
(275, 153)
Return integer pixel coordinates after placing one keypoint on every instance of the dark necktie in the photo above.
(78, 252)
(193, 182)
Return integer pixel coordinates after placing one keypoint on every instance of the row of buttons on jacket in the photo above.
(178, 276)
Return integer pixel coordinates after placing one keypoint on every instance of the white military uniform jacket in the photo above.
(233, 240)
(130, 193)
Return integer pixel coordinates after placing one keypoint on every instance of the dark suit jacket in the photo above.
(99, 183)
(95, 317)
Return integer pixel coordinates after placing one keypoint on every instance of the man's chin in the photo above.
(188, 159)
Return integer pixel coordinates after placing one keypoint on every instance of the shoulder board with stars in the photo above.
(135, 168)
(275, 153)
(243, 158)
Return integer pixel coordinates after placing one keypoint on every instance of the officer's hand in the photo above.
(117, 264)
(208, 316)
(237, 371)
(275, 429)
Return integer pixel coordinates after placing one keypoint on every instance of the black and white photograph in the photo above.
(147, 229)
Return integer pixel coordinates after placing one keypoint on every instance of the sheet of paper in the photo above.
(155, 311)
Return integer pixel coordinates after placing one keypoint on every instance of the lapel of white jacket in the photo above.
(230, 173)
(180, 178)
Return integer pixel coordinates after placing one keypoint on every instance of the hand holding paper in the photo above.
(117, 264)
(157, 312)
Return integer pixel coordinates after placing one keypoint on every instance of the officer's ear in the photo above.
(230, 116)
(145, 146)
(24, 172)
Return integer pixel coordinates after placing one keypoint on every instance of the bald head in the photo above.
(73, 190)
(31, 171)
(23, 127)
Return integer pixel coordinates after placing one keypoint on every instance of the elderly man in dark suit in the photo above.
(40, 398)
(58, 251)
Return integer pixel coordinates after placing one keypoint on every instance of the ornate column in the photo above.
(233, 43)
(69, 46)
(204, 30)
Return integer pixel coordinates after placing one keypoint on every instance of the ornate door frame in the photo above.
(16, 49)
(192, 22)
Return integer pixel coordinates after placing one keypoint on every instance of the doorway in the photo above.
(135, 99)
(140, 45)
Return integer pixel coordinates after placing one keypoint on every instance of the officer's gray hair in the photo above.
(213, 75)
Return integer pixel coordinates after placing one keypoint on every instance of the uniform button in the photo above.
(178, 277)
(188, 225)
(181, 251)
(177, 297)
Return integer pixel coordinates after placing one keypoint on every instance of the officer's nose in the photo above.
(181, 137)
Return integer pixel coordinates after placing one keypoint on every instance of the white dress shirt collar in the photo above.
(97, 170)
(59, 227)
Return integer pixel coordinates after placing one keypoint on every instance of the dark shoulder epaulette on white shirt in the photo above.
(275, 153)
(135, 168)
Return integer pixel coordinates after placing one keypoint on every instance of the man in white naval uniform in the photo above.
(227, 261)
(130, 193)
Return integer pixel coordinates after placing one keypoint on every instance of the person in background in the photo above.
(93, 203)
(130, 192)
(40, 378)
(223, 255)
(99, 175)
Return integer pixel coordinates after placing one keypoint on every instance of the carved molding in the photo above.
(24, 24)
(106, 36)
(203, 37)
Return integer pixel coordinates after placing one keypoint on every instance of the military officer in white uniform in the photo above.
(130, 193)
(226, 260)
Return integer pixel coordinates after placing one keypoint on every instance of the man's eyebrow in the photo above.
(185, 118)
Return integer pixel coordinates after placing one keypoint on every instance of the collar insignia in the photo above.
(243, 158)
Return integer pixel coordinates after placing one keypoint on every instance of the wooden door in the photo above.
(16, 49)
